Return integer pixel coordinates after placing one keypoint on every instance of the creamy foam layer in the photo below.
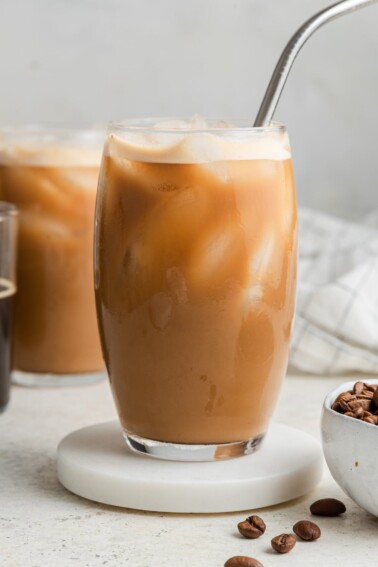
(181, 145)
(48, 156)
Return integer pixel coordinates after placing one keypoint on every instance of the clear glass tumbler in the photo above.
(195, 277)
(8, 256)
(51, 174)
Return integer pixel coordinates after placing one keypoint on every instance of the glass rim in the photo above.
(7, 209)
(53, 128)
(150, 125)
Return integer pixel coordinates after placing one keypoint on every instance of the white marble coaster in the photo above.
(95, 463)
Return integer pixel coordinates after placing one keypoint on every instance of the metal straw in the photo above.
(285, 62)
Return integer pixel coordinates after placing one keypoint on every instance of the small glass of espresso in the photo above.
(8, 246)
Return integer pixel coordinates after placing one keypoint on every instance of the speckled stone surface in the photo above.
(43, 525)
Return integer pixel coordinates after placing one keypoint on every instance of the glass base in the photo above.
(46, 380)
(187, 452)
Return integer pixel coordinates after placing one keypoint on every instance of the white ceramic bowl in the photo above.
(351, 450)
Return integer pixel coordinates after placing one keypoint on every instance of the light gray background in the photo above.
(79, 60)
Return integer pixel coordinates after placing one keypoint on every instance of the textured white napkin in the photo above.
(336, 322)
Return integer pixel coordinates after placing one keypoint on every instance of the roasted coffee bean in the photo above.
(366, 395)
(283, 543)
(354, 404)
(327, 507)
(306, 530)
(358, 413)
(341, 399)
(358, 388)
(365, 404)
(361, 402)
(252, 527)
(242, 561)
(375, 398)
(370, 419)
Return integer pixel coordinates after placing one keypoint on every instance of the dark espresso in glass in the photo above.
(7, 290)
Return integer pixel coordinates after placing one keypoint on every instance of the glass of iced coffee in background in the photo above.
(8, 257)
(195, 277)
(50, 174)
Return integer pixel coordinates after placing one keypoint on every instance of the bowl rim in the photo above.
(332, 395)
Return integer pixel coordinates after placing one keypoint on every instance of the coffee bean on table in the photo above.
(327, 507)
(283, 543)
(242, 561)
(306, 530)
(252, 527)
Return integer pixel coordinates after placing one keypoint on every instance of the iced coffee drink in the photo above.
(52, 178)
(195, 273)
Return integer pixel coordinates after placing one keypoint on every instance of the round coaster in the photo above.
(95, 463)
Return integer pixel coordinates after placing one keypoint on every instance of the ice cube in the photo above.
(160, 310)
(217, 258)
(262, 257)
(198, 122)
(253, 297)
(172, 125)
(177, 285)
(40, 226)
(84, 178)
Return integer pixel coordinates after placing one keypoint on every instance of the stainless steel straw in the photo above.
(285, 62)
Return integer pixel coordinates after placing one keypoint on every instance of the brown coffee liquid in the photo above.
(195, 294)
(55, 319)
(7, 290)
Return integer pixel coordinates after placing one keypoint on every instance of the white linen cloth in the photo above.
(336, 322)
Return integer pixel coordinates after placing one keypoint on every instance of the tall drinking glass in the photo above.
(8, 256)
(195, 276)
(51, 174)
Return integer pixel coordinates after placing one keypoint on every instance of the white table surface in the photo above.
(43, 525)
